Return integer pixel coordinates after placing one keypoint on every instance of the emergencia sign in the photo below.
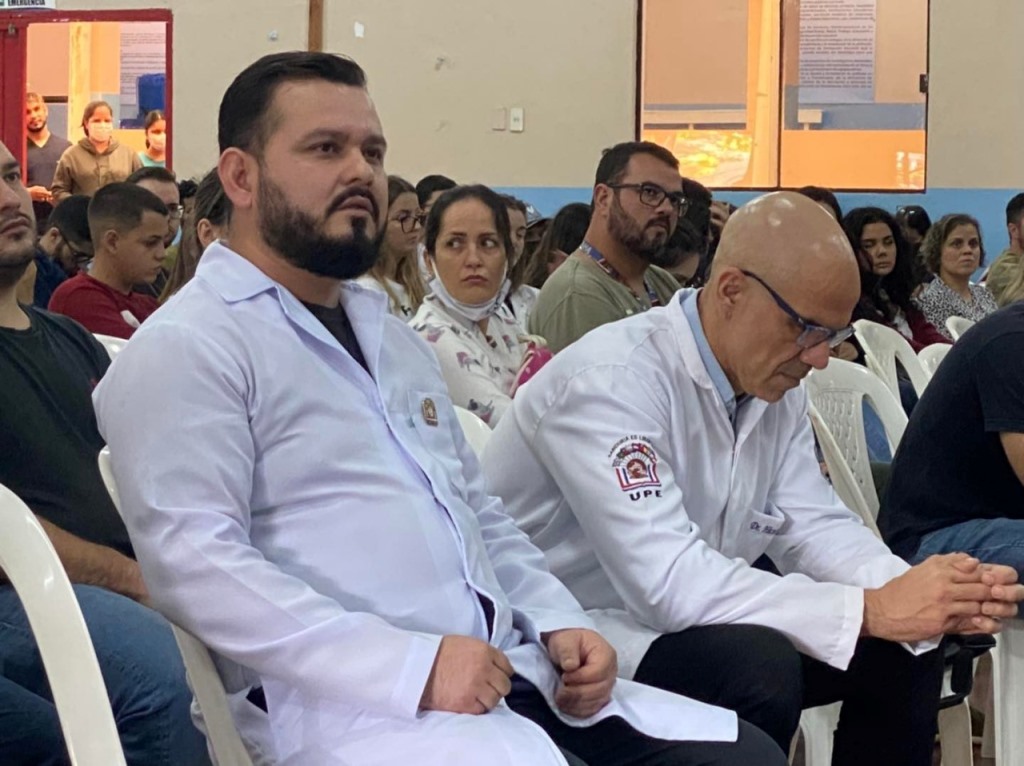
(20, 5)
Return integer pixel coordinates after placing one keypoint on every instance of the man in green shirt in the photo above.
(616, 272)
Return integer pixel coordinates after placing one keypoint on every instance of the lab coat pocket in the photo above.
(761, 528)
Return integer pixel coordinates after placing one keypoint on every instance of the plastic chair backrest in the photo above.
(111, 344)
(931, 357)
(843, 480)
(838, 393)
(79, 694)
(957, 326)
(882, 347)
(225, 741)
(477, 431)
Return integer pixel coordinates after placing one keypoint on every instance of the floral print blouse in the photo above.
(480, 369)
(938, 301)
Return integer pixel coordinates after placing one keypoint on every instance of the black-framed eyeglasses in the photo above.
(811, 334)
(409, 221)
(78, 256)
(653, 195)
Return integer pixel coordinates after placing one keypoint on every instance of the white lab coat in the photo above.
(324, 528)
(667, 547)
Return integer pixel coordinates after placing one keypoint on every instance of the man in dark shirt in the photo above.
(958, 477)
(44, 151)
(49, 444)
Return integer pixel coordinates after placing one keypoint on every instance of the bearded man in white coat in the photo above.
(301, 498)
(658, 458)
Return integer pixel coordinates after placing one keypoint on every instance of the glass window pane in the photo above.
(853, 114)
(710, 90)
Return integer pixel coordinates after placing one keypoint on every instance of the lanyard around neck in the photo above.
(600, 260)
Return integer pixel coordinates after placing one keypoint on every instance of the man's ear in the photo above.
(726, 288)
(602, 198)
(239, 175)
(110, 239)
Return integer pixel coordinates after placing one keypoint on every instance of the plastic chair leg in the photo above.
(955, 735)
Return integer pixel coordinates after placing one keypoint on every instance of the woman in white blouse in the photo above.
(396, 272)
(952, 250)
(475, 338)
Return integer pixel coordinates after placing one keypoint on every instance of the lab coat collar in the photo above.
(236, 279)
(688, 300)
(748, 416)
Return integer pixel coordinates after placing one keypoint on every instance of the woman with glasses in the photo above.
(476, 339)
(395, 271)
(953, 251)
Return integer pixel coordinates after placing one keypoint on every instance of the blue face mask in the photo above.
(177, 238)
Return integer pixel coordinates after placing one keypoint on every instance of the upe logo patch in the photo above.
(635, 464)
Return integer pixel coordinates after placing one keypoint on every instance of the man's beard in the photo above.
(40, 129)
(647, 243)
(13, 265)
(299, 238)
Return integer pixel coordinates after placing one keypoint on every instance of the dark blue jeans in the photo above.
(993, 541)
(141, 668)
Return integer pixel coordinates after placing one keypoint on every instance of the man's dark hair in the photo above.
(489, 197)
(614, 161)
(120, 206)
(823, 196)
(514, 203)
(187, 189)
(430, 185)
(153, 173)
(246, 117)
(71, 219)
(1015, 209)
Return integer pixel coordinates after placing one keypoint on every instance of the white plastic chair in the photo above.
(113, 345)
(843, 481)
(883, 346)
(477, 431)
(838, 393)
(957, 326)
(225, 741)
(31, 564)
(931, 357)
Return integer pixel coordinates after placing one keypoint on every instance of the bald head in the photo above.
(783, 264)
(788, 239)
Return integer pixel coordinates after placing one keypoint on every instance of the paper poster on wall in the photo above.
(143, 52)
(837, 51)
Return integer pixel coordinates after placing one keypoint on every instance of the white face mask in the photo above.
(473, 312)
(158, 141)
(101, 131)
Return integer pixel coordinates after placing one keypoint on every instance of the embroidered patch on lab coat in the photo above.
(429, 410)
(635, 463)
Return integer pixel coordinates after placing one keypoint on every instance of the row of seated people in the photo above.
(371, 579)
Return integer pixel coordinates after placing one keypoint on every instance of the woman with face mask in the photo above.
(155, 154)
(96, 160)
(476, 339)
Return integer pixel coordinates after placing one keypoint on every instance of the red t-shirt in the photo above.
(100, 308)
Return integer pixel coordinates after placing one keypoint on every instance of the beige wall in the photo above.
(976, 109)
(438, 70)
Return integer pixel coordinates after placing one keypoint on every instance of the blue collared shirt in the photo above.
(688, 300)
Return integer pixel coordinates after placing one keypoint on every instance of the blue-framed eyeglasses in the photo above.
(811, 334)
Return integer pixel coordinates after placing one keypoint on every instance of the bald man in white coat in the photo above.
(655, 460)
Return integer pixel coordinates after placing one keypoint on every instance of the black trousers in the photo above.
(890, 697)
(613, 742)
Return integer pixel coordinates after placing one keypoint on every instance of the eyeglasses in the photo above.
(176, 211)
(78, 256)
(811, 334)
(653, 195)
(409, 221)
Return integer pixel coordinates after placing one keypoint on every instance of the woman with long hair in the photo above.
(156, 140)
(396, 271)
(204, 224)
(887, 276)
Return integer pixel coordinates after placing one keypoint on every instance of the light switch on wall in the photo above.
(516, 119)
(499, 118)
